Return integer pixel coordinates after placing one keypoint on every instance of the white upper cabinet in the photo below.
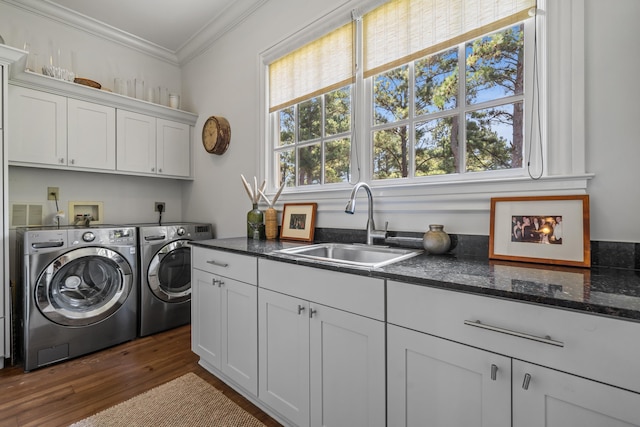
(53, 130)
(91, 136)
(173, 148)
(136, 142)
(62, 125)
(153, 146)
(38, 132)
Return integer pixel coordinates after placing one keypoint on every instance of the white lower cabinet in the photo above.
(440, 383)
(224, 326)
(314, 347)
(445, 348)
(319, 364)
(549, 398)
(283, 364)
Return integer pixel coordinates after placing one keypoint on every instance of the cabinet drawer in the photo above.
(601, 348)
(349, 292)
(227, 264)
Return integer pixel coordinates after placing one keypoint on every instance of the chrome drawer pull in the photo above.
(545, 340)
(527, 380)
(219, 264)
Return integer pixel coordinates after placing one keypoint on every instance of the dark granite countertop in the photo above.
(602, 291)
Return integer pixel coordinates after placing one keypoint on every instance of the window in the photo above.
(444, 90)
(456, 111)
(314, 143)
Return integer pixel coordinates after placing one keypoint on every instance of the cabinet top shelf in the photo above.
(20, 77)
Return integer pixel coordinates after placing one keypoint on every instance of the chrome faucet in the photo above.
(371, 227)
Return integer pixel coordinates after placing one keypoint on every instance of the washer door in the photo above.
(169, 274)
(83, 286)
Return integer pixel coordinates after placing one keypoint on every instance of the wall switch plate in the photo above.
(159, 206)
(53, 193)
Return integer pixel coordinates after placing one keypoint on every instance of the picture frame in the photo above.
(541, 229)
(298, 221)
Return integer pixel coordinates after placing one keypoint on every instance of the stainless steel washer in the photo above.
(165, 274)
(79, 291)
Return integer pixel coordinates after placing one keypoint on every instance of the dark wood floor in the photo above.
(67, 392)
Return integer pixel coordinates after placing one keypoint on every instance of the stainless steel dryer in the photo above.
(79, 291)
(165, 274)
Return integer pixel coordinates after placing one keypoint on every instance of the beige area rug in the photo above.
(186, 401)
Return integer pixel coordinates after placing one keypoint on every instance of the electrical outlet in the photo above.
(53, 193)
(159, 207)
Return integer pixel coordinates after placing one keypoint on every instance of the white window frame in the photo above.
(562, 124)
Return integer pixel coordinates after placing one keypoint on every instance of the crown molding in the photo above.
(81, 22)
(230, 17)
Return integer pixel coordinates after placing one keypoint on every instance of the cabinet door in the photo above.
(173, 148)
(240, 333)
(284, 355)
(440, 383)
(38, 127)
(92, 135)
(206, 328)
(347, 369)
(136, 142)
(557, 399)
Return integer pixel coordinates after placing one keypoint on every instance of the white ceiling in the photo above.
(166, 23)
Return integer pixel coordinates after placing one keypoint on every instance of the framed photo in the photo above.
(544, 229)
(298, 221)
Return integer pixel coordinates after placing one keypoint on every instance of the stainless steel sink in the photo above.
(352, 254)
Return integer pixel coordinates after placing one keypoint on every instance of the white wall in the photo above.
(126, 198)
(612, 115)
(224, 81)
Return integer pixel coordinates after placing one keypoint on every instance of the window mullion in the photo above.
(412, 121)
(462, 104)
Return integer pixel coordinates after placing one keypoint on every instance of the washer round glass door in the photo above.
(83, 286)
(169, 273)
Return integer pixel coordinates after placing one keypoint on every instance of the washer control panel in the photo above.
(124, 236)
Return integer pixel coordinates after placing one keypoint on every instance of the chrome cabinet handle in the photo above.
(219, 264)
(153, 169)
(159, 170)
(312, 312)
(73, 162)
(218, 282)
(300, 309)
(545, 340)
(494, 372)
(527, 380)
(61, 160)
